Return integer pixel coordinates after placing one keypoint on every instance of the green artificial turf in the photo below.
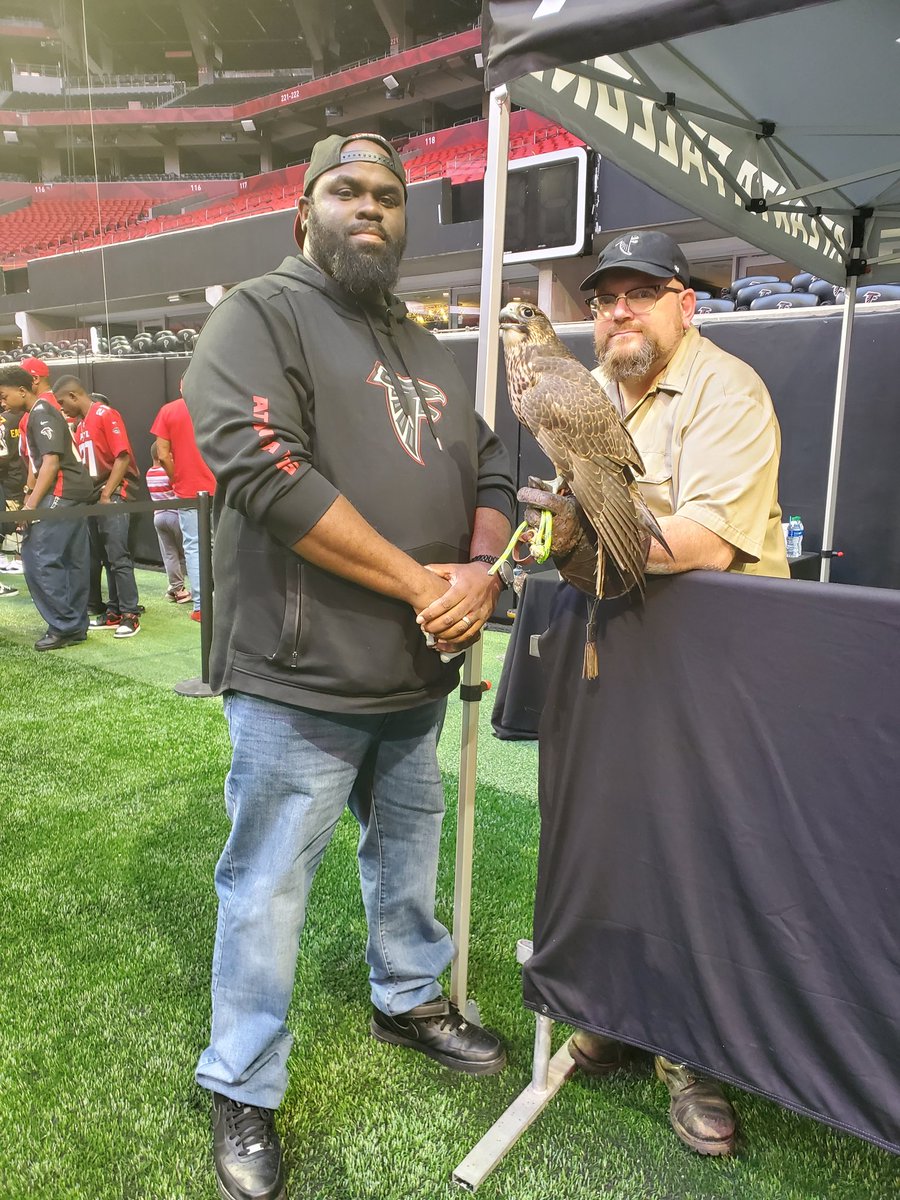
(166, 650)
(112, 822)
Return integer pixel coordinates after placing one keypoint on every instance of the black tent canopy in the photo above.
(776, 120)
(748, 126)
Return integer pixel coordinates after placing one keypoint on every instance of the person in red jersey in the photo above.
(106, 451)
(55, 554)
(182, 461)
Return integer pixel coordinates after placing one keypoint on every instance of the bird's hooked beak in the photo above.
(510, 319)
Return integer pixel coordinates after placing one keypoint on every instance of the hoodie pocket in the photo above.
(288, 649)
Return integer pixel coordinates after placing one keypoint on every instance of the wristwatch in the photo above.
(504, 572)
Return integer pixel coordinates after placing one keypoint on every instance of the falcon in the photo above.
(576, 425)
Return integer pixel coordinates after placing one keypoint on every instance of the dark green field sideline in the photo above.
(112, 821)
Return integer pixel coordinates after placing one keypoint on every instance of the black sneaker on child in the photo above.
(440, 1030)
(247, 1151)
(104, 620)
(128, 626)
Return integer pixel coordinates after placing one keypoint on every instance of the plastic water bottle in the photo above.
(794, 537)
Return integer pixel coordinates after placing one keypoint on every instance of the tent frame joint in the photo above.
(766, 129)
(857, 263)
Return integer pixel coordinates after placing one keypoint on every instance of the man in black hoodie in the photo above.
(360, 504)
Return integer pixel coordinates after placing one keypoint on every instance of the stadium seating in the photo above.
(745, 296)
(826, 292)
(715, 306)
(465, 163)
(32, 101)
(230, 91)
(784, 300)
(750, 281)
(872, 293)
(46, 226)
(45, 101)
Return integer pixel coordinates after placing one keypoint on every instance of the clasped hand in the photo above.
(455, 619)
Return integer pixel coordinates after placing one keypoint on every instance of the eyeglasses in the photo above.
(638, 300)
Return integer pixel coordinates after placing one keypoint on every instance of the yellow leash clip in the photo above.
(540, 544)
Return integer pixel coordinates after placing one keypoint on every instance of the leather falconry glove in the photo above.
(573, 544)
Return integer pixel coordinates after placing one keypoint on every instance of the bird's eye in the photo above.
(527, 312)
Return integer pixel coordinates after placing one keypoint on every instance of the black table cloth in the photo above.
(519, 697)
(520, 693)
(719, 877)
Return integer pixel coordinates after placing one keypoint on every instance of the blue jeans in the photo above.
(187, 519)
(56, 561)
(292, 773)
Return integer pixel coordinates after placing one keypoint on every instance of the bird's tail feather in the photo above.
(650, 522)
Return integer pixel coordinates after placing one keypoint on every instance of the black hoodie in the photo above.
(293, 393)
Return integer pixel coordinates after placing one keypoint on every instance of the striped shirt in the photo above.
(159, 485)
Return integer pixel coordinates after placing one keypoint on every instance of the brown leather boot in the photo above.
(698, 1111)
(597, 1055)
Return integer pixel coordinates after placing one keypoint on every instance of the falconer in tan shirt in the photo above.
(701, 419)
(706, 431)
(710, 443)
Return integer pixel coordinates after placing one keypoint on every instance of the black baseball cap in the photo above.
(648, 252)
(334, 150)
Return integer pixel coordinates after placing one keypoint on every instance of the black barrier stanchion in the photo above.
(189, 687)
(200, 687)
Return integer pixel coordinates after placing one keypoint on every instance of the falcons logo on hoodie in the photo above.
(407, 429)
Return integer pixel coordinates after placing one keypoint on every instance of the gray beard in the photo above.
(360, 269)
(617, 367)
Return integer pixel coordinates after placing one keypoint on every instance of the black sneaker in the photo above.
(5, 591)
(128, 626)
(105, 620)
(440, 1030)
(247, 1151)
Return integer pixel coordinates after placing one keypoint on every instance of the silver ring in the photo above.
(468, 621)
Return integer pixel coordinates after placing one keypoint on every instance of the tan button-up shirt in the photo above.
(709, 439)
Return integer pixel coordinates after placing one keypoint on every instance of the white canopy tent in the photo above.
(776, 120)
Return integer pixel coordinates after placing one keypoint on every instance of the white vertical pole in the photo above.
(486, 404)
(837, 428)
(492, 254)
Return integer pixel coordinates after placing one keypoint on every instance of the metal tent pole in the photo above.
(486, 404)
(548, 1074)
(837, 429)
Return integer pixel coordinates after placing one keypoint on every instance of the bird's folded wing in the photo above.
(567, 401)
(602, 490)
